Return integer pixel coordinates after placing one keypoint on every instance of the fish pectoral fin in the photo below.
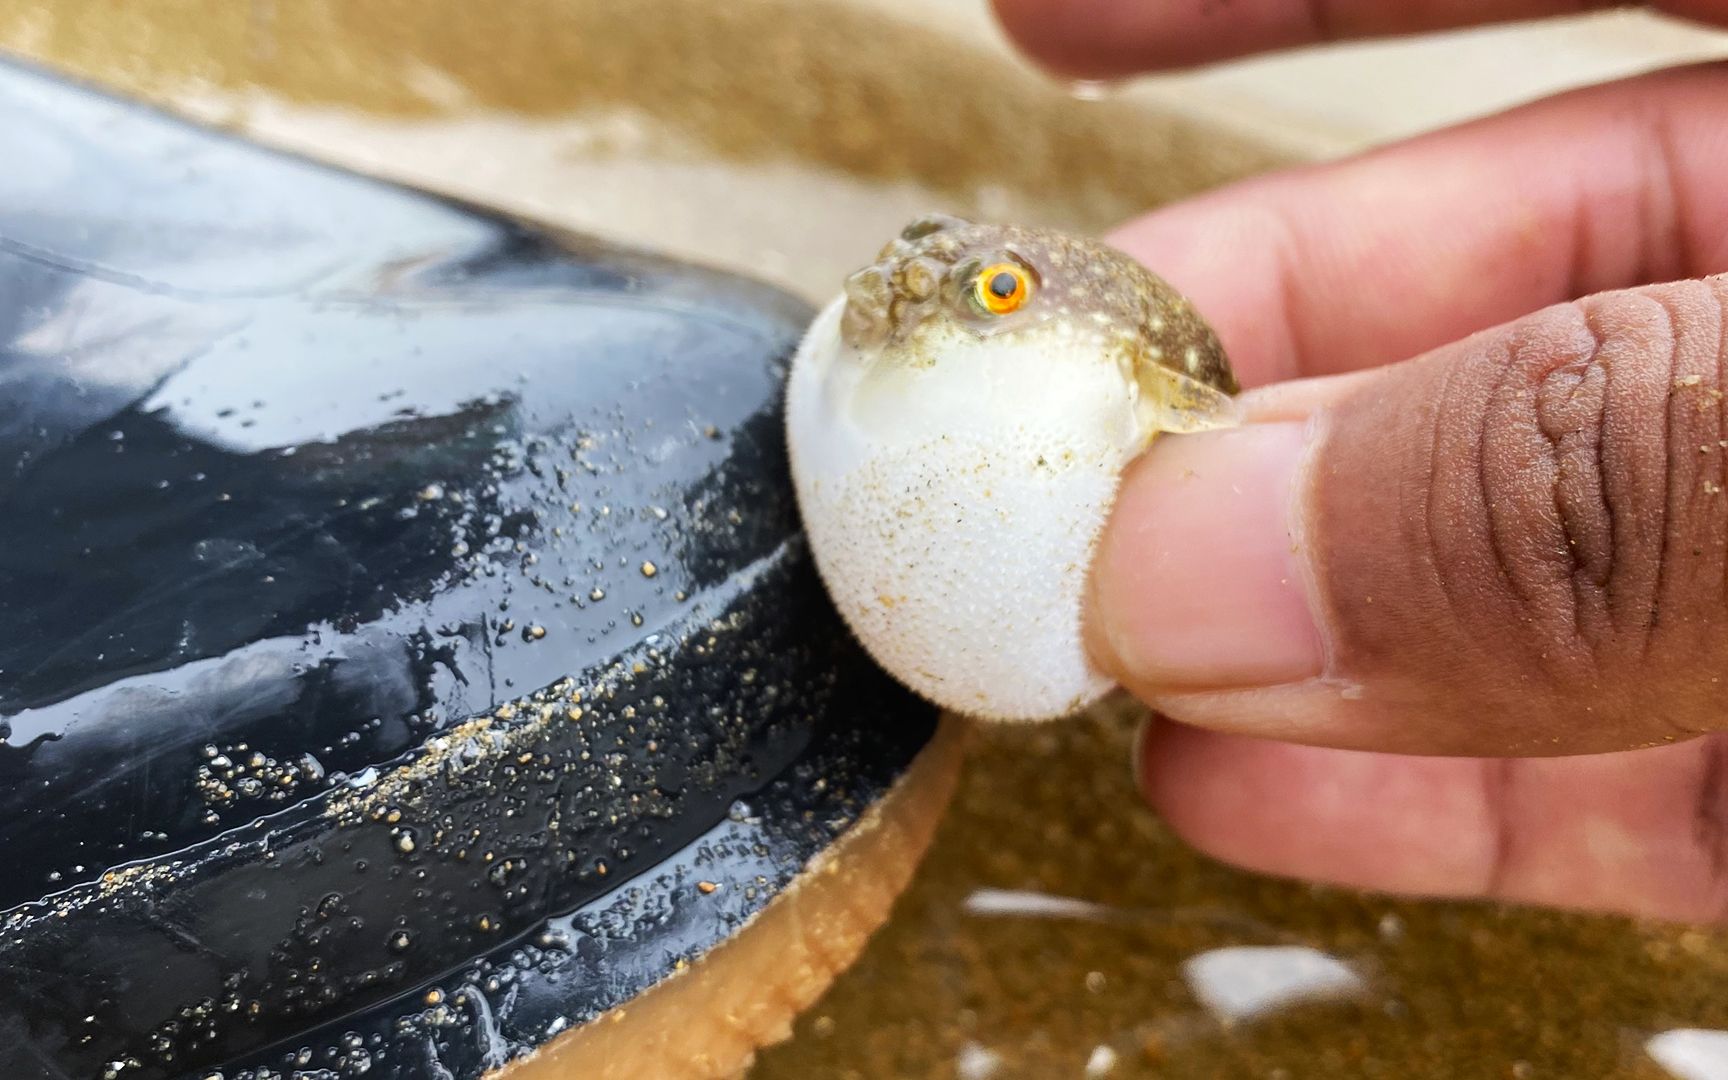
(1177, 403)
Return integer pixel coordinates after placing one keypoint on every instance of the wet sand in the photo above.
(989, 969)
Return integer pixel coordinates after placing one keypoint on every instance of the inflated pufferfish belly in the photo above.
(958, 421)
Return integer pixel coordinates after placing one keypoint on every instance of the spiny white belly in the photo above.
(953, 509)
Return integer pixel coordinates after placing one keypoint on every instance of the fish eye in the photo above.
(1002, 288)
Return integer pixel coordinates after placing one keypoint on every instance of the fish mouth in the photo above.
(868, 315)
(893, 295)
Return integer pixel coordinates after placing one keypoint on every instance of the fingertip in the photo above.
(1079, 39)
(1197, 583)
(1023, 21)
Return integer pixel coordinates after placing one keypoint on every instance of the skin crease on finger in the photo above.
(1103, 39)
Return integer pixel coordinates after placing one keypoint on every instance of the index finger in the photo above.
(1375, 259)
(1113, 38)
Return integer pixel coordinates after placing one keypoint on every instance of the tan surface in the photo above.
(708, 1020)
(784, 138)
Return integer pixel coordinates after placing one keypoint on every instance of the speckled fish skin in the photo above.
(955, 465)
(402, 611)
(917, 278)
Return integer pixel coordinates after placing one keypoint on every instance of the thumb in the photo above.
(1514, 545)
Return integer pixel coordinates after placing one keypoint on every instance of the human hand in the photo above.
(1382, 613)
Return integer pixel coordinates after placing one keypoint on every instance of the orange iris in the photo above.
(1002, 288)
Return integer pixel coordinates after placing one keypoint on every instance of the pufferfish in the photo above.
(958, 420)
